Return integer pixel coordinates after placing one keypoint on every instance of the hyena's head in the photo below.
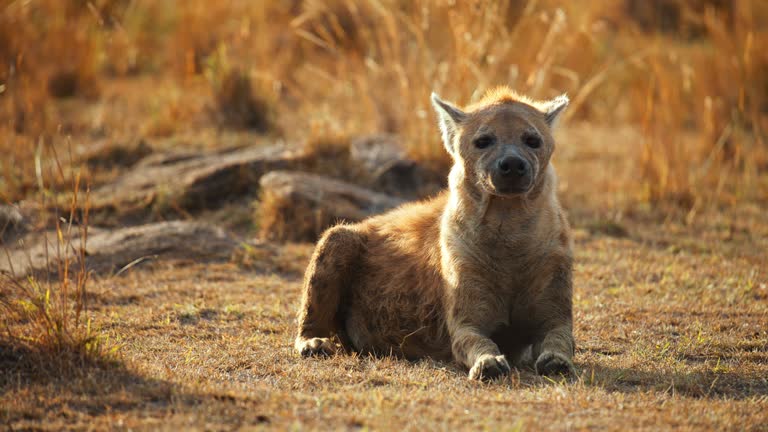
(502, 144)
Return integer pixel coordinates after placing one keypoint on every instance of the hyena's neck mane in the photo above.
(471, 209)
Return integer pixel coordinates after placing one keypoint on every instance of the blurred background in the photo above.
(669, 98)
(166, 165)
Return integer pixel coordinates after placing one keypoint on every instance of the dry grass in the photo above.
(47, 327)
(237, 102)
(280, 219)
(690, 76)
(666, 340)
(238, 106)
(670, 326)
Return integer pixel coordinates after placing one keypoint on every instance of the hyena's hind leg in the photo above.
(326, 284)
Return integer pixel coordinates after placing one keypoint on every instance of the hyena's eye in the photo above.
(532, 141)
(484, 141)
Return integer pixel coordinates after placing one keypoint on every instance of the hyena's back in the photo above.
(395, 303)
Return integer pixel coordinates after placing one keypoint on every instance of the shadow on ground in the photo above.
(88, 392)
(698, 385)
(90, 387)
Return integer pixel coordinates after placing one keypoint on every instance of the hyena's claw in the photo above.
(550, 363)
(321, 347)
(488, 367)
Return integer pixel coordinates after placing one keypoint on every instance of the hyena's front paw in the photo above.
(552, 363)
(314, 347)
(488, 367)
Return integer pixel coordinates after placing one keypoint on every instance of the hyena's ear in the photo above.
(449, 117)
(553, 108)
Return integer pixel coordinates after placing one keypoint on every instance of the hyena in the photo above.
(480, 273)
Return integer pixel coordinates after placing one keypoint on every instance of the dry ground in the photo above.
(671, 327)
(671, 334)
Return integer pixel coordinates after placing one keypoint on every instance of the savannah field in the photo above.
(165, 168)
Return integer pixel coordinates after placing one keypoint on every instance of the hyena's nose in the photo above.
(513, 166)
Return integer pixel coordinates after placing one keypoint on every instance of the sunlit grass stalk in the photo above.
(47, 313)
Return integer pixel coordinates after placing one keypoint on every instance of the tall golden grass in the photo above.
(692, 75)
